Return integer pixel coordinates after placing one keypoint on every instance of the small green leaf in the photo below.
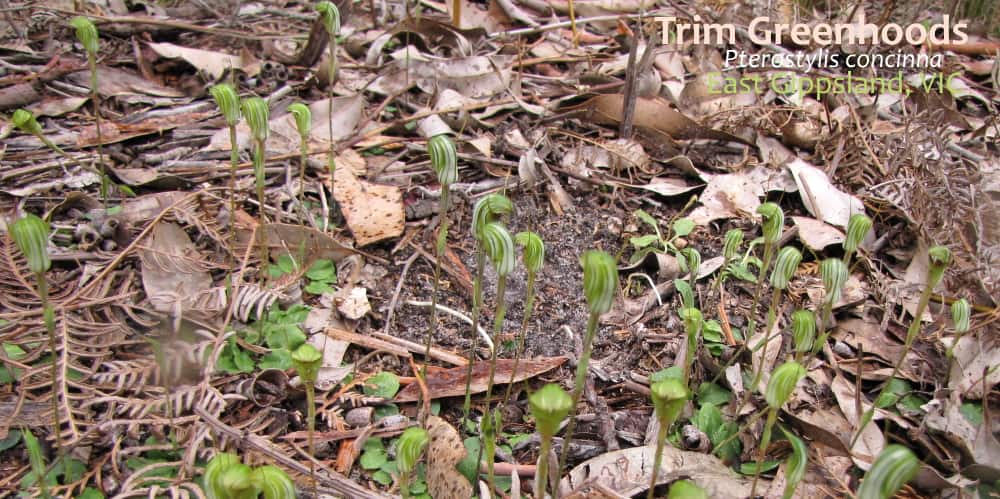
(12, 438)
(287, 264)
(731, 450)
(683, 227)
(973, 413)
(318, 288)
(639, 242)
(646, 217)
(373, 459)
(322, 270)
(468, 466)
(671, 372)
(234, 360)
(384, 384)
(912, 402)
(708, 419)
(286, 336)
(712, 331)
(749, 468)
(711, 393)
(893, 391)
(384, 411)
(382, 478)
(276, 359)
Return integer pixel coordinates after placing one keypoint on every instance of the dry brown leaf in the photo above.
(628, 472)
(57, 107)
(444, 451)
(173, 271)
(474, 77)
(974, 355)
(284, 136)
(451, 382)
(283, 238)
(115, 82)
(653, 113)
(871, 442)
(976, 442)
(211, 62)
(817, 235)
(823, 199)
(373, 212)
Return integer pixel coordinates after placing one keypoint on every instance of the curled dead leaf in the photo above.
(444, 451)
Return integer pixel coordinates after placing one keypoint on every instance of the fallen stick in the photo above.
(335, 482)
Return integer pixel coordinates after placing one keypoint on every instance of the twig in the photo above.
(328, 478)
(454, 313)
(395, 294)
(559, 25)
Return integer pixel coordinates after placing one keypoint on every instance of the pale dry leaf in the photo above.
(116, 82)
(974, 355)
(975, 441)
(823, 199)
(331, 371)
(354, 305)
(211, 62)
(473, 77)
(872, 442)
(817, 235)
(172, 269)
(373, 212)
(628, 471)
(284, 136)
(57, 107)
(444, 450)
(666, 186)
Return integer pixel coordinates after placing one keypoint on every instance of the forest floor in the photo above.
(602, 135)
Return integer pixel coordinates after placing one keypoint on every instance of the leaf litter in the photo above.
(172, 274)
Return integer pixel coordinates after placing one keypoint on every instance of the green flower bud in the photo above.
(256, 113)
(961, 312)
(235, 481)
(940, 258)
(731, 248)
(773, 221)
(833, 272)
(693, 320)
(534, 250)
(31, 235)
(692, 259)
(549, 406)
(782, 383)
(488, 209)
(303, 118)
(444, 158)
(687, 294)
(213, 474)
(499, 247)
(273, 482)
(409, 448)
(784, 267)
(331, 17)
(228, 101)
(685, 489)
(803, 330)
(895, 466)
(26, 122)
(307, 360)
(795, 466)
(669, 397)
(86, 33)
(857, 229)
(600, 280)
